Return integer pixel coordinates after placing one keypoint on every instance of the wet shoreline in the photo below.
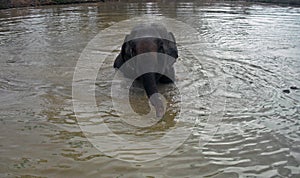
(6, 4)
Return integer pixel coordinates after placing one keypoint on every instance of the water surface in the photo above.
(252, 50)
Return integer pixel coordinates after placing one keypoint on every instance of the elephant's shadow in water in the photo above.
(141, 51)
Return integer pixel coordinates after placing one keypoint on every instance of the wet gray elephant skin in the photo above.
(148, 54)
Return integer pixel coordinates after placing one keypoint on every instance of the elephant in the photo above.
(152, 47)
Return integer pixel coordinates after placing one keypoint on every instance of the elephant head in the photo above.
(144, 44)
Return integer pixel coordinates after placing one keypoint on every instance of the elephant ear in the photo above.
(127, 52)
(170, 49)
(124, 55)
(118, 61)
(171, 46)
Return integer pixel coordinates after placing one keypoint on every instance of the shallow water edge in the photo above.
(26, 3)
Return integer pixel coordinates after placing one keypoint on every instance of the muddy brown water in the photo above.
(247, 62)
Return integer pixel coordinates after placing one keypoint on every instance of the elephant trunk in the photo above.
(150, 86)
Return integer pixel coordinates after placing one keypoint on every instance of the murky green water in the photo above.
(247, 59)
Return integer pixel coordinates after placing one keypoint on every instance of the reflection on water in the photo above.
(255, 48)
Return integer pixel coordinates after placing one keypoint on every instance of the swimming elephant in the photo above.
(151, 48)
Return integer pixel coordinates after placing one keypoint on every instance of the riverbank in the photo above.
(5, 4)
